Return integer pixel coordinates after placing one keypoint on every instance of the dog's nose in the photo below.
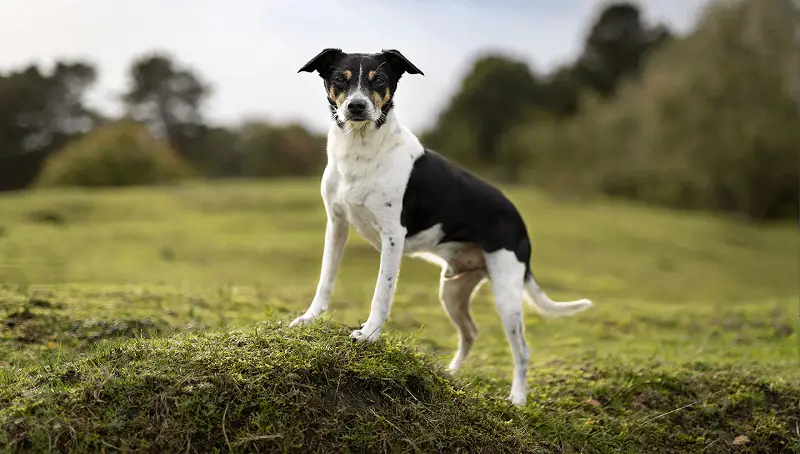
(356, 107)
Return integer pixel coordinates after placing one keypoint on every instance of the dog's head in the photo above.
(360, 87)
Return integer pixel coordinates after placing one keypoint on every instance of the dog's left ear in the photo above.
(399, 63)
(322, 62)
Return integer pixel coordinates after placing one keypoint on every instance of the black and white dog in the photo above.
(405, 199)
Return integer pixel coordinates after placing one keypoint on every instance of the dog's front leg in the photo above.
(392, 242)
(336, 232)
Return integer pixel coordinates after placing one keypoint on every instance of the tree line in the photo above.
(45, 112)
(703, 121)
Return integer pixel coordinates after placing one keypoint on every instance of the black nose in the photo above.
(356, 107)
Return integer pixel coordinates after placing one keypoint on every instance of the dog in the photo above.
(405, 199)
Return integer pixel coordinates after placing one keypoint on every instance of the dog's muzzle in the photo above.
(357, 110)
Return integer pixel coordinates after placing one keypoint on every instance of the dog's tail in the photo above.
(539, 300)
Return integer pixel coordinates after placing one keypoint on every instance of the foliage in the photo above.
(118, 154)
(493, 97)
(704, 121)
(500, 92)
(712, 125)
(280, 150)
(40, 112)
(170, 99)
(616, 47)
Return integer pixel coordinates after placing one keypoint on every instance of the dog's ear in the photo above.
(322, 62)
(399, 63)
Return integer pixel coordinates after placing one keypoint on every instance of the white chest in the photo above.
(365, 223)
(367, 175)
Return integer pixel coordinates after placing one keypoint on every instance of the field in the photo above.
(155, 319)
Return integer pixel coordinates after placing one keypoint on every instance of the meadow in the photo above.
(154, 319)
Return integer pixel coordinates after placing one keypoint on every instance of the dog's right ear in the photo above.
(322, 62)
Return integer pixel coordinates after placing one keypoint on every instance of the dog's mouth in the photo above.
(357, 118)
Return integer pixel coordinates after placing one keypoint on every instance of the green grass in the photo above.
(154, 318)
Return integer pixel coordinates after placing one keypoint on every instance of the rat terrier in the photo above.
(405, 199)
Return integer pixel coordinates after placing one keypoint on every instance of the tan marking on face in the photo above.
(371, 75)
(338, 99)
(379, 100)
(348, 74)
(387, 95)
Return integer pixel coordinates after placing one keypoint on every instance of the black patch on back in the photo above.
(469, 209)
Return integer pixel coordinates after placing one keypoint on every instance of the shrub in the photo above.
(123, 153)
(280, 150)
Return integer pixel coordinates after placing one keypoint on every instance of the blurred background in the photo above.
(680, 103)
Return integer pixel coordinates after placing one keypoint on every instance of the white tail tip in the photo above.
(549, 308)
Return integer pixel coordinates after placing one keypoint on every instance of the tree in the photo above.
(170, 99)
(711, 124)
(69, 84)
(40, 112)
(501, 93)
(616, 46)
(493, 98)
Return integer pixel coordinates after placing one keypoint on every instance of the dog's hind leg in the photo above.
(507, 274)
(455, 293)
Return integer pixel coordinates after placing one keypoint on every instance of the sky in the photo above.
(250, 50)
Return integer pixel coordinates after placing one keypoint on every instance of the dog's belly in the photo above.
(455, 258)
(364, 222)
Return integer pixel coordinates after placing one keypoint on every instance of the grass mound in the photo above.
(267, 389)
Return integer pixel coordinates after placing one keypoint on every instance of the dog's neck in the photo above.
(354, 150)
(367, 136)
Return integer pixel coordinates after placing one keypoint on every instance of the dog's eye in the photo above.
(379, 82)
(339, 80)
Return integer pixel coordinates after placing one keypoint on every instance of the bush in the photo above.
(123, 153)
(280, 150)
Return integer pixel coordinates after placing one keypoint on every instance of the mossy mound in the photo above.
(267, 389)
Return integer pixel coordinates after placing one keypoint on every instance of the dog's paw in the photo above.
(361, 335)
(454, 367)
(304, 319)
(518, 399)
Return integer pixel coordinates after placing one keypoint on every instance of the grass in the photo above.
(154, 319)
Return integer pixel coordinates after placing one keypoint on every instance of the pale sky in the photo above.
(250, 50)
